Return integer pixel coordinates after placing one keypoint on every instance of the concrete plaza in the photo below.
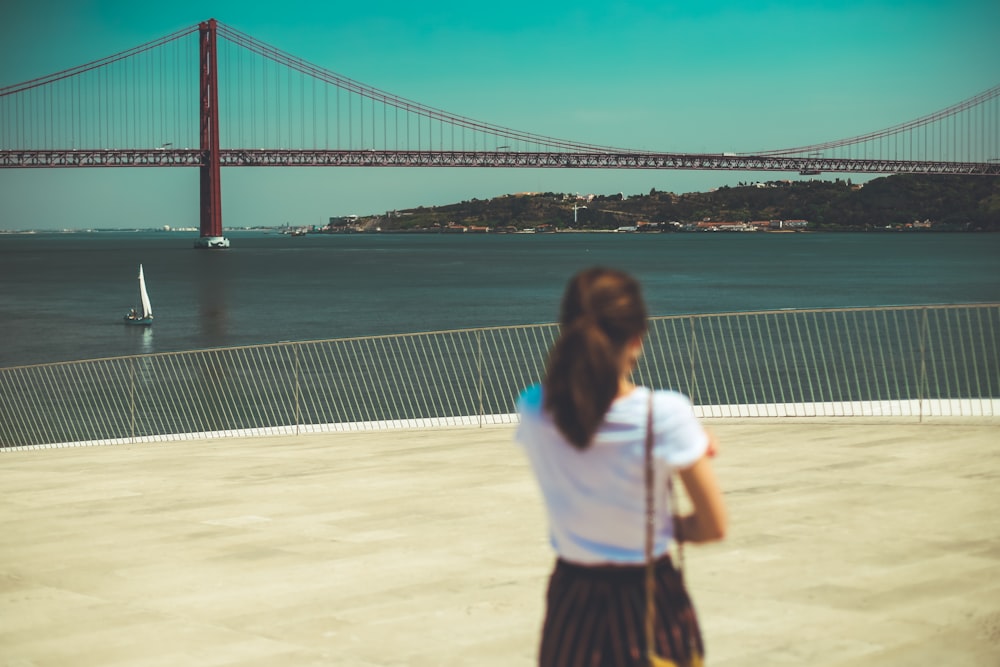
(853, 542)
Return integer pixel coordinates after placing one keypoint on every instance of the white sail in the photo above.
(147, 310)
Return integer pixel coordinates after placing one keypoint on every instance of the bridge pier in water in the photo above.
(211, 173)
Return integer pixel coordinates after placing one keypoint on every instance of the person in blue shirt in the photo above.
(584, 432)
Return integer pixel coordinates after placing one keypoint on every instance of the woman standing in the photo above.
(584, 430)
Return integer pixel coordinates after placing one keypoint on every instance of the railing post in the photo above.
(131, 392)
(921, 384)
(479, 373)
(298, 417)
(694, 346)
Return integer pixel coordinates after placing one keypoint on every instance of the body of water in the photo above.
(63, 296)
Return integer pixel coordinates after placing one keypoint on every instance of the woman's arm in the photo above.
(708, 522)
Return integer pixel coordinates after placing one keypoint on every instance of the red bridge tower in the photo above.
(211, 174)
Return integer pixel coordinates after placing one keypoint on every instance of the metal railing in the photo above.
(906, 361)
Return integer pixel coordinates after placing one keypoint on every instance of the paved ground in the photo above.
(852, 543)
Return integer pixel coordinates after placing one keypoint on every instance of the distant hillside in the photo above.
(952, 203)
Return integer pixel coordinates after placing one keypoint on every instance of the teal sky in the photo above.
(656, 75)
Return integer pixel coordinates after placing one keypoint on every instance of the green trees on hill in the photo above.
(956, 203)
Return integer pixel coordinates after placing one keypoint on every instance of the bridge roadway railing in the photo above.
(917, 361)
(604, 159)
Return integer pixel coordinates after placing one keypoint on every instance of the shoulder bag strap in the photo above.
(651, 655)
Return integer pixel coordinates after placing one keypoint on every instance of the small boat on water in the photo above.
(143, 316)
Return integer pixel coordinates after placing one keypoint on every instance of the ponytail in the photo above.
(602, 310)
(581, 381)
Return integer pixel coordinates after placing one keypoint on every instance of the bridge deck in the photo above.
(852, 542)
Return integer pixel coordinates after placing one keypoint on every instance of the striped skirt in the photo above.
(595, 616)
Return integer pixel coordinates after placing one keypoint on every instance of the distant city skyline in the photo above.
(658, 76)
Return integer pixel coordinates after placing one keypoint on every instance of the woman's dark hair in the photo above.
(602, 311)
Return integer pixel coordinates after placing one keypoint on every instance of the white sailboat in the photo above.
(145, 314)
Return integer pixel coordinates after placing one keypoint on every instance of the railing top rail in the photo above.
(786, 311)
(472, 330)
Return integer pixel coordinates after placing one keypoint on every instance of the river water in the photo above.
(62, 296)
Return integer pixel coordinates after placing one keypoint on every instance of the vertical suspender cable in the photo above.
(176, 96)
(265, 128)
(253, 102)
(97, 109)
(239, 78)
(291, 106)
(125, 90)
(109, 114)
(158, 91)
(277, 105)
(132, 85)
(48, 116)
(59, 127)
(953, 121)
(77, 113)
(150, 114)
(121, 105)
(58, 115)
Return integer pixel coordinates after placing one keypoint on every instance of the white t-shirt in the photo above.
(596, 497)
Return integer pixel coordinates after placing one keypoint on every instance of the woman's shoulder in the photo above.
(670, 399)
(633, 408)
(685, 439)
(672, 407)
(663, 400)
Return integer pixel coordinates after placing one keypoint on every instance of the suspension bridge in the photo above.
(210, 96)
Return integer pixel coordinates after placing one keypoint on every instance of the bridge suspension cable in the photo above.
(132, 99)
(967, 131)
(395, 102)
(95, 64)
